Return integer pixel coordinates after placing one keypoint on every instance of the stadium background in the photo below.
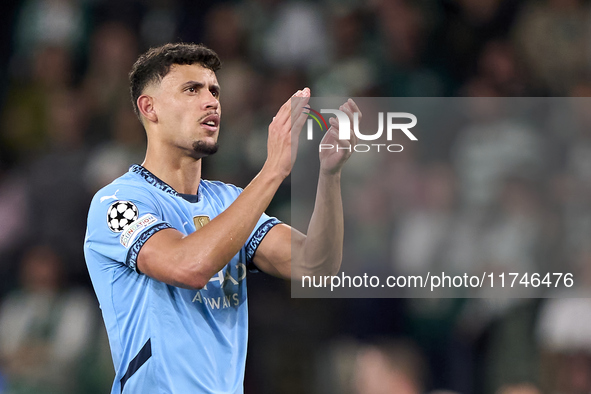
(67, 128)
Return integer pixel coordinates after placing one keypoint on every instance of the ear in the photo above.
(145, 104)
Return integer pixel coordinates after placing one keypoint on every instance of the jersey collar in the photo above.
(157, 182)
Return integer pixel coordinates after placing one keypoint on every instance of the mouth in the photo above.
(211, 122)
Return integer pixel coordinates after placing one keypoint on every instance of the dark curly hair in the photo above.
(153, 65)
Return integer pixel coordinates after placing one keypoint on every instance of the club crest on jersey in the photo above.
(120, 215)
(200, 221)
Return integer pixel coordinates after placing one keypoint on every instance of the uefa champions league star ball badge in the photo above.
(120, 215)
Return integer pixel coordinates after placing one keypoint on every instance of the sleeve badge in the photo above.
(120, 215)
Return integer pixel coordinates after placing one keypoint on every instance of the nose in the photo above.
(210, 102)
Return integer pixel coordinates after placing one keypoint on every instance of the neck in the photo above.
(182, 173)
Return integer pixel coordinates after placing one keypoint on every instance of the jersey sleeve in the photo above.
(263, 226)
(120, 221)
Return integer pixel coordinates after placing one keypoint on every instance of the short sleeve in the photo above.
(120, 221)
(263, 226)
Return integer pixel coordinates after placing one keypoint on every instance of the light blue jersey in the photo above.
(165, 339)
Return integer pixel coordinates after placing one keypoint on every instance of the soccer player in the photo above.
(168, 251)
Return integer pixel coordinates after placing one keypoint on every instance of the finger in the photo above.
(284, 113)
(300, 111)
(300, 100)
(298, 123)
(348, 109)
(354, 108)
(354, 138)
(331, 136)
(298, 106)
(334, 125)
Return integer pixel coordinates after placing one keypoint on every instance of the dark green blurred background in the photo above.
(67, 128)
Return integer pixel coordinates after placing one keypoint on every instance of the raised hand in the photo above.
(284, 132)
(332, 160)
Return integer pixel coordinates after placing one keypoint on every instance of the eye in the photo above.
(215, 93)
(192, 89)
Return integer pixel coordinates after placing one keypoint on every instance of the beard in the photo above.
(203, 149)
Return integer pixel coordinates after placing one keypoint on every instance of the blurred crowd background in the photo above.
(67, 128)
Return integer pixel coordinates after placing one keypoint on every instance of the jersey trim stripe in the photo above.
(143, 355)
(256, 239)
(134, 251)
(152, 179)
